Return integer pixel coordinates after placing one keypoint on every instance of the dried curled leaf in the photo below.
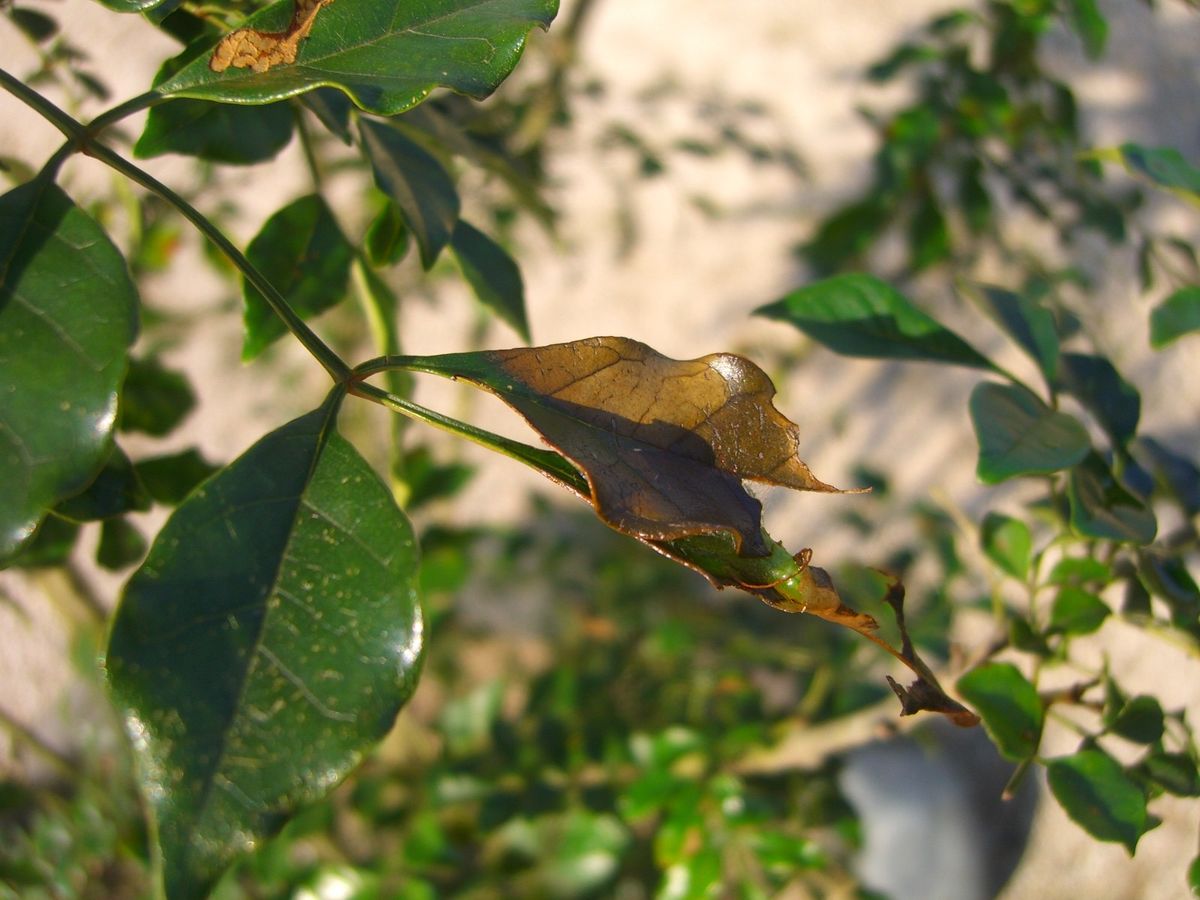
(249, 48)
(664, 443)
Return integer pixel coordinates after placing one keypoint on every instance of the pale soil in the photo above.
(687, 285)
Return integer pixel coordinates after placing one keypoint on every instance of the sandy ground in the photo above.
(686, 284)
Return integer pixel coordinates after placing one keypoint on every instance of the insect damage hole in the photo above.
(249, 48)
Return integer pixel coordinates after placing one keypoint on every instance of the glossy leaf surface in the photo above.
(663, 443)
(492, 274)
(860, 315)
(1019, 435)
(419, 186)
(68, 313)
(386, 56)
(1176, 316)
(302, 251)
(1010, 706)
(268, 640)
(1095, 791)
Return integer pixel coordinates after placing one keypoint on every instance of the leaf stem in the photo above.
(122, 110)
(81, 139)
(550, 464)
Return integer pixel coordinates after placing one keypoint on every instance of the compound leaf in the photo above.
(267, 641)
(386, 55)
(68, 313)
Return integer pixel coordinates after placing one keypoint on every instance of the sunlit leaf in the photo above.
(859, 315)
(268, 640)
(1076, 611)
(1091, 26)
(68, 313)
(302, 251)
(1176, 316)
(1010, 706)
(386, 56)
(1095, 791)
(663, 443)
(416, 183)
(1019, 435)
(1141, 720)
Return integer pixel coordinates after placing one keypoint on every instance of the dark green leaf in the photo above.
(386, 240)
(928, 236)
(1193, 877)
(1022, 637)
(68, 313)
(492, 274)
(302, 251)
(387, 56)
(1076, 611)
(268, 640)
(1181, 474)
(51, 545)
(1165, 166)
(1091, 26)
(428, 480)
(1095, 791)
(1027, 322)
(218, 132)
(974, 199)
(37, 26)
(1008, 544)
(1019, 435)
(1176, 316)
(1102, 508)
(121, 545)
(168, 479)
(1168, 577)
(416, 182)
(1094, 382)
(846, 235)
(1010, 707)
(154, 399)
(859, 315)
(1175, 773)
(1080, 570)
(332, 107)
(115, 491)
(1141, 720)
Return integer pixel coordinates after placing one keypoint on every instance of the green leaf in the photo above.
(121, 545)
(1075, 611)
(1176, 316)
(1167, 576)
(131, 6)
(332, 107)
(115, 492)
(1165, 166)
(1091, 26)
(168, 479)
(1102, 508)
(1175, 773)
(492, 274)
(1094, 382)
(386, 55)
(302, 251)
(859, 315)
(386, 240)
(1097, 794)
(154, 399)
(35, 25)
(928, 235)
(1010, 707)
(268, 640)
(416, 182)
(217, 132)
(1008, 543)
(1019, 435)
(1193, 877)
(68, 313)
(50, 546)
(1080, 570)
(1141, 720)
(1026, 321)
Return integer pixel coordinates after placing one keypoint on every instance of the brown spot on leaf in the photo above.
(249, 48)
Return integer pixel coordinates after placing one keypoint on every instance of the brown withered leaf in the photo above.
(663, 443)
